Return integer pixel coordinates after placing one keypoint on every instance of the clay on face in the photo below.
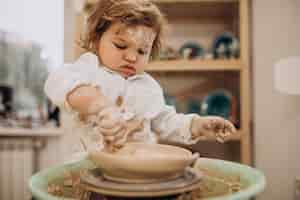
(140, 36)
(137, 41)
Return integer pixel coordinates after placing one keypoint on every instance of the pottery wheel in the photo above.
(94, 181)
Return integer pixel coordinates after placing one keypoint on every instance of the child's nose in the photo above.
(130, 56)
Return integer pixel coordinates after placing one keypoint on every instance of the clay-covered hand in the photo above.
(110, 122)
(118, 141)
(107, 125)
(211, 126)
(132, 126)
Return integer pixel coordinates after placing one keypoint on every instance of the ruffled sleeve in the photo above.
(60, 82)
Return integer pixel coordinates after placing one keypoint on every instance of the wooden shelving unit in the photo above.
(190, 18)
(201, 21)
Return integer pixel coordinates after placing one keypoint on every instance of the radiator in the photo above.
(16, 167)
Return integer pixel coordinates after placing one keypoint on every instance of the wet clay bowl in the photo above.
(141, 162)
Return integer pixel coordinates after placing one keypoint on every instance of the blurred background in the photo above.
(238, 59)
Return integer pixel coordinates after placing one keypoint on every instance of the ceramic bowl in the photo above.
(141, 162)
(226, 45)
(194, 49)
(217, 103)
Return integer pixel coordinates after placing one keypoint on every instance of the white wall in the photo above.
(276, 32)
(37, 20)
(69, 31)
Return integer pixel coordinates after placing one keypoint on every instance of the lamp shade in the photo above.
(287, 75)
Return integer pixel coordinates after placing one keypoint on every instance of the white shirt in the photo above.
(141, 94)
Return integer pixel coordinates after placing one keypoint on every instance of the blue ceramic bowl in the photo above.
(226, 45)
(217, 103)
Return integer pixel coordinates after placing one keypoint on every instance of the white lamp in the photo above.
(287, 75)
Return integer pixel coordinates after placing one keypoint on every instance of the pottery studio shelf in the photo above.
(192, 1)
(179, 1)
(27, 132)
(195, 65)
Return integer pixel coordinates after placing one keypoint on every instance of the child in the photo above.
(109, 90)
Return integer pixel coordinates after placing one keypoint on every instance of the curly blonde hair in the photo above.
(129, 12)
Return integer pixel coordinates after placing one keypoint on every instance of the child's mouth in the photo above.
(128, 71)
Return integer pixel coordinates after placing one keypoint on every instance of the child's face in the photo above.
(126, 49)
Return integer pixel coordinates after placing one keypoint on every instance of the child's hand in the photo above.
(119, 140)
(116, 127)
(87, 99)
(217, 127)
(110, 121)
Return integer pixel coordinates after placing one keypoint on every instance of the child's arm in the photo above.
(87, 100)
(172, 126)
(74, 83)
(189, 128)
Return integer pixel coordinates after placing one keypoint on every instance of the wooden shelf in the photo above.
(199, 9)
(178, 1)
(194, 65)
(27, 132)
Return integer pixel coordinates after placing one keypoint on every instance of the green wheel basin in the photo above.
(252, 180)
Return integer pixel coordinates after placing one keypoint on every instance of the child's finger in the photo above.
(207, 126)
(122, 140)
(110, 131)
(109, 114)
(198, 134)
(219, 137)
(109, 123)
(135, 125)
(120, 134)
(113, 138)
(218, 124)
(229, 127)
(109, 138)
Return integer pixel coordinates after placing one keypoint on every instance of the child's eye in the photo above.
(142, 52)
(119, 46)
